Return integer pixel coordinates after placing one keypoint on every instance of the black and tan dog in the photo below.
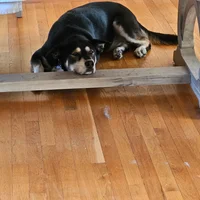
(77, 39)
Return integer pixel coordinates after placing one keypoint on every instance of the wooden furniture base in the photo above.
(102, 78)
(188, 11)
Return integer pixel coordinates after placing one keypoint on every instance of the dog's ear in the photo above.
(99, 44)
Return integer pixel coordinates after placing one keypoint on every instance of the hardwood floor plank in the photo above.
(5, 148)
(186, 123)
(176, 131)
(51, 172)
(84, 168)
(189, 103)
(20, 179)
(130, 110)
(33, 27)
(102, 177)
(4, 34)
(114, 144)
(37, 178)
(89, 129)
(67, 169)
(118, 179)
(129, 163)
(174, 160)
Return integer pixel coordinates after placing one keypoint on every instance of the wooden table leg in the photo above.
(185, 54)
(19, 13)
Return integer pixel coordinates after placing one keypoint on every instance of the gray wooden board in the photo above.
(101, 79)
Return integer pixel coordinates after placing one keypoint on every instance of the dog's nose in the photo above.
(89, 64)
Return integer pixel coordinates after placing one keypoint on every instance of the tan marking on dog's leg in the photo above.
(142, 40)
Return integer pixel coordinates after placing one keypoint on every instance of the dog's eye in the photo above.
(75, 54)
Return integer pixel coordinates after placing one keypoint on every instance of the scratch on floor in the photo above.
(106, 112)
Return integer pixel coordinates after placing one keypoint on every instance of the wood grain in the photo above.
(102, 78)
(116, 143)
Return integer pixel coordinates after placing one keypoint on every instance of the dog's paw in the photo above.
(57, 69)
(140, 52)
(36, 68)
(118, 53)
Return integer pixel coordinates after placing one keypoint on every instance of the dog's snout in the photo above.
(89, 64)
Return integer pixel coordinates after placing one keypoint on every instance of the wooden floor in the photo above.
(139, 143)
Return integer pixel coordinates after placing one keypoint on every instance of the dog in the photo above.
(78, 38)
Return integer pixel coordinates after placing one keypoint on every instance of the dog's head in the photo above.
(78, 55)
(81, 56)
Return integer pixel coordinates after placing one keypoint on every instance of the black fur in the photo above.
(160, 38)
(92, 25)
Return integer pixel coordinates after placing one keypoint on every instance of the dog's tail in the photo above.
(161, 38)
